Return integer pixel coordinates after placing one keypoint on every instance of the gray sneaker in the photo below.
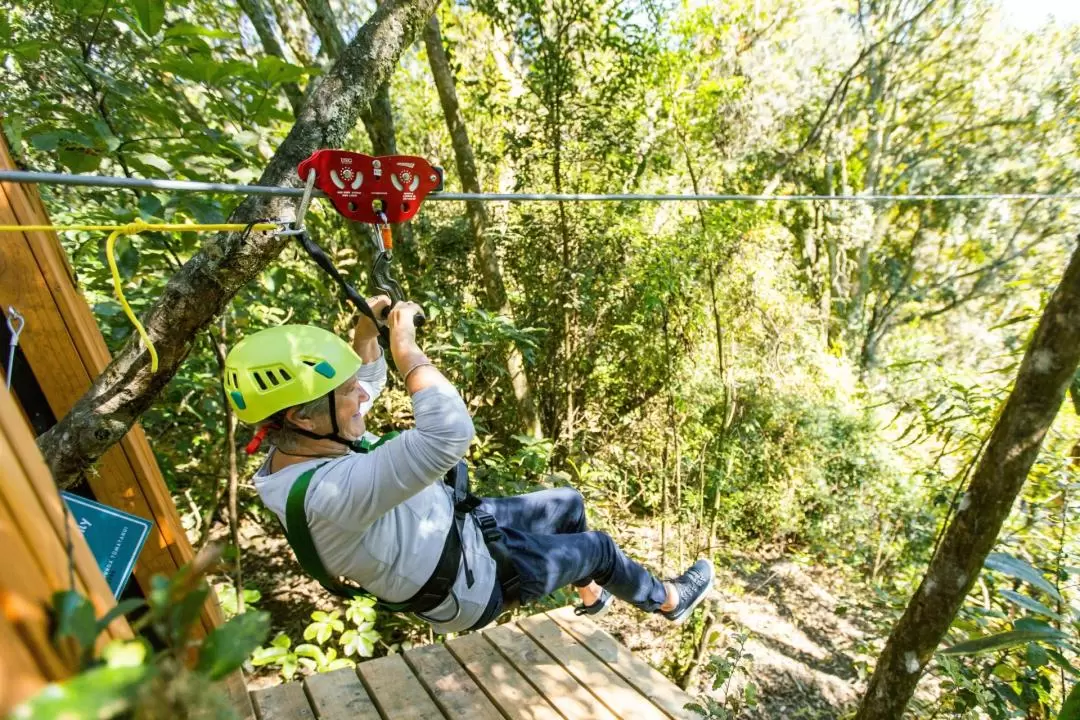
(692, 587)
(598, 608)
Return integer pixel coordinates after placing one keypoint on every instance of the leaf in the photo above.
(1014, 567)
(226, 648)
(339, 664)
(288, 668)
(1028, 603)
(73, 615)
(267, 656)
(311, 651)
(125, 653)
(186, 613)
(186, 29)
(1000, 641)
(151, 14)
(1036, 655)
(1070, 710)
(121, 608)
(102, 692)
(150, 207)
(46, 141)
(79, 160)
(155, 161)
(1062, 662)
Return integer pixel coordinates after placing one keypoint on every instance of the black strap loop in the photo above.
(323, 261)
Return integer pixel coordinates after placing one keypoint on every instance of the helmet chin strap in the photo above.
(336, 436)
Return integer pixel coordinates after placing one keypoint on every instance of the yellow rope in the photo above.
(135, 228)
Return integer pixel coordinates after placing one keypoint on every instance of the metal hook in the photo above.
(301, 210)
(15, 324)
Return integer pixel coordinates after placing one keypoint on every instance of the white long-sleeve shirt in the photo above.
(381, 518)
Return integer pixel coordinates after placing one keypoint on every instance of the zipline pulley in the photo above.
(377, 191)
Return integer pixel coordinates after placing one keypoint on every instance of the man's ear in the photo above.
(291, 418)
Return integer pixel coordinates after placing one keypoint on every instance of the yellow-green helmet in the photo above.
(284, 366)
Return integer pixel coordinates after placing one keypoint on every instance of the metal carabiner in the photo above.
(302, 208)
(381, 279)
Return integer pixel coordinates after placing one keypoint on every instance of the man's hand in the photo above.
(366, 334)
(365, 328)
(401, 317)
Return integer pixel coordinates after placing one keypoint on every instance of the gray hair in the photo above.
(288, 439)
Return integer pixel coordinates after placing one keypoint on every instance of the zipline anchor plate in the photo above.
(376, 190)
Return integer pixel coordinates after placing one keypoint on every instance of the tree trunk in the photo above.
(260, 15)
(1044, 375)
(202, 288)
(378, 116)
(494, 288)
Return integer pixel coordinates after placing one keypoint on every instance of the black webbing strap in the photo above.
(427, 598)
(467, 504)
(438, 585)
(323, 261)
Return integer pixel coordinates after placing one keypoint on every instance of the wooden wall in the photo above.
(35, 564)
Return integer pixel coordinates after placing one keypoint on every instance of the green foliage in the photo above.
(130, 680)
(725, 669)
(326, 634)
(1071, 709)
(226, 596)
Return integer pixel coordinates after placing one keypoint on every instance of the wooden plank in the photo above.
(396, 691)
(454, 691)
(27, 485)
(549, 677)
(24, 596)
(22, 677)
(339, 695)
(235, 688)
(616, 693)
(282, 702)
(129, 466)
(668, 696)
(506, 687)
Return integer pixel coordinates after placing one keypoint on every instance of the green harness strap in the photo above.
(298, 533)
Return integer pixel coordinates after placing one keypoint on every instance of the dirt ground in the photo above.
(804, 651)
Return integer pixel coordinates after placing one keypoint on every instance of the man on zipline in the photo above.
(384, 513)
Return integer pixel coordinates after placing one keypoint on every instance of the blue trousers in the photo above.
(552, 547)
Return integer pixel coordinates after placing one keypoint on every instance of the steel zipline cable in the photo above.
(43, 178)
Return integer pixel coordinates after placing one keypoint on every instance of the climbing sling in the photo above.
(438, 586)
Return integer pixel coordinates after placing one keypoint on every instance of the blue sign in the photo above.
(115, 538)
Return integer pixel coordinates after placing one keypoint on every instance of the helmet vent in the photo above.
(310, 363)
(272, 378)
(259, 380)
(285, 375)
(235, 382)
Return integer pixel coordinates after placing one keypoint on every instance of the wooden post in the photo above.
(65, 351)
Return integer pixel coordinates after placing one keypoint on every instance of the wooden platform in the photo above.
(544, 667)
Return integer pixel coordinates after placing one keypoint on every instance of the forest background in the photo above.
(797, 389)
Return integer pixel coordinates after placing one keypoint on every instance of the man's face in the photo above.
(351, 399)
